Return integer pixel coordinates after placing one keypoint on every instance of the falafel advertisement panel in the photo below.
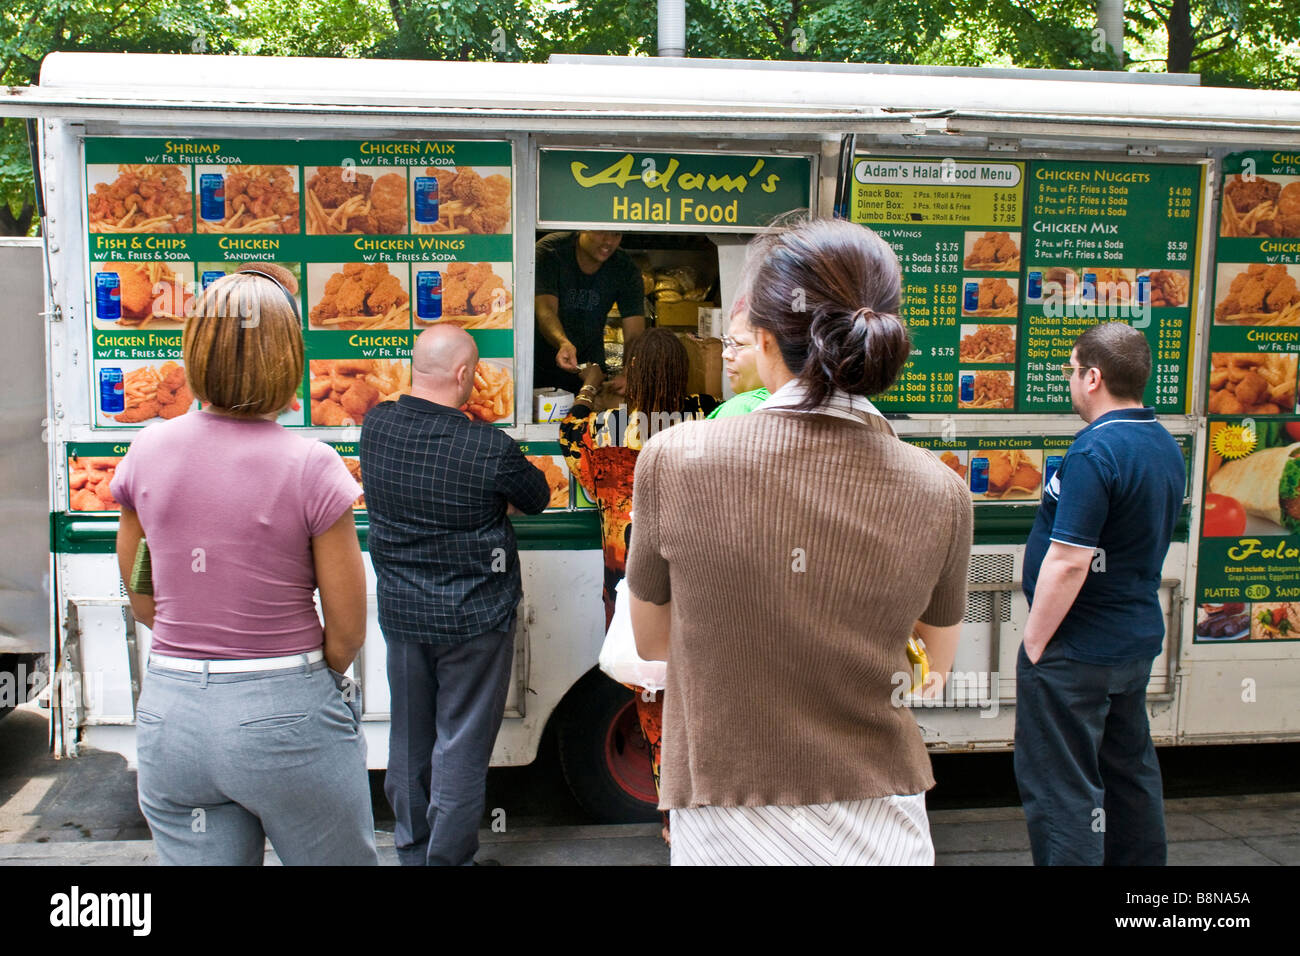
(381, 239)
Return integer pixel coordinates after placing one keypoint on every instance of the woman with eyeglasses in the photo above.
(601, 451)
(246, 726)
(781, 574)
(738, 361)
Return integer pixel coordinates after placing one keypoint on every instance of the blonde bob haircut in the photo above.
(243, 346)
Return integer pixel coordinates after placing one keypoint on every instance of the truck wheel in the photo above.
(603, 753)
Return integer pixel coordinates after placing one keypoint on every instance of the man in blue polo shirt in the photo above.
(1084, 760)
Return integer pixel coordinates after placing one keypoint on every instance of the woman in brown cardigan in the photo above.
(783, 597)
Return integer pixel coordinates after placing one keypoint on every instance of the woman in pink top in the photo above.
(247, 728)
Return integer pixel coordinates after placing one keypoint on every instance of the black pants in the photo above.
(1085, 763)
(447, 706)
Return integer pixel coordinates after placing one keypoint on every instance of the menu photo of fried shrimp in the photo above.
(343, 201)
(88, 483)
(990, 297)
(474, 295)
(1257, 294)
(351, 296)
(987, 343)
(1259, 206)
(493, 397)
(139, 295)
(468, 200)
(985, 390)
(1252, 383)
(139, 198)
(557, 476)
(148, 392)
(248, 199)
(344, 390)
(992, 251)
(1006, 474)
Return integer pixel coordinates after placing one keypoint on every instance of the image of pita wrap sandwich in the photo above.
(1267, 483)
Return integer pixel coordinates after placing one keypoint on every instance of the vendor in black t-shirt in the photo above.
(579, 276)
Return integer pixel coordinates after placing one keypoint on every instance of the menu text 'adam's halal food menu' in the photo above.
(378, 240)
(1006, 263)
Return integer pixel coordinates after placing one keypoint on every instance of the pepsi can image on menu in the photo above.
(968, 388)
(979, 476)
(212, 197)
(1143, 290)
(428, 295)
(1050, 468)
(108, 297)
(1034, 290)
(112, 393)
(1088, 291)
(210, 276)
(426, 199)
(971, 302)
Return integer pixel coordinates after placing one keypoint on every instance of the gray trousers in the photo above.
(447, 706)
(228, 760)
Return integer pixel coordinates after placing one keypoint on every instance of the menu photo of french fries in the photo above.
(142, 295)
(984, 390)
(1260, 206)
(473, 295)
(493, 397)
(140, 197)
(344, 390)
(557, 476)
(88, 481)
(149, 391)
(354, 295)
(248, 199)
(351, 200)
(465, 200)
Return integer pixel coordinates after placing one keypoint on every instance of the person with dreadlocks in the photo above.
(601, 451)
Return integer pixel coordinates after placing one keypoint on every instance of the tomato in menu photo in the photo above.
(1293, 429)
(1224, 517)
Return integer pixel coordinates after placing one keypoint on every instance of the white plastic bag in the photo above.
(618, 656)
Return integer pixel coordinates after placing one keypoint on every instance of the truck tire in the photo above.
(603, 754)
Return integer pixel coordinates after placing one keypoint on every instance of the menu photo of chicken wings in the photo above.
(139, 295)
(1000, 474)
(994, 297)
(88, 481)
(1260, 206)
(1252, 383)
(354, 295)
(987, 343)
(345, 201)
(1168, 288)
(248, 199)
(992, 251)
(140, 198)
(464, 201)
(1257, 294)
(474, 295)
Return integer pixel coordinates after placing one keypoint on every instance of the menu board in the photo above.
(1006, 263)
(1010, 469)
(377, 240)
(1248, 571)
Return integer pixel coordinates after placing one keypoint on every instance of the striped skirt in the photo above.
(884, 831)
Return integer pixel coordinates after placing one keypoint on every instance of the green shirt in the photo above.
(741, 404)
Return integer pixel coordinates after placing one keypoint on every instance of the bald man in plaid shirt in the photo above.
(438, 490)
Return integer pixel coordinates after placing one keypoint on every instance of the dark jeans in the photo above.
(447, 706)
(1085, 763)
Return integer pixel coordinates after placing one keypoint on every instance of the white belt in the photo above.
(236, 667)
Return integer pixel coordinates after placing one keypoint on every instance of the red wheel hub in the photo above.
(627, 756)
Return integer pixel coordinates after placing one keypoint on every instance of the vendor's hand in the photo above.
(619, 384)
(566, 357)
(592, 375)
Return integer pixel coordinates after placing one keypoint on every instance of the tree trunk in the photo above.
(20, 225)
(1181, 41)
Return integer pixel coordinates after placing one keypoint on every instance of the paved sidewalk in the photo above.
(1258, 830)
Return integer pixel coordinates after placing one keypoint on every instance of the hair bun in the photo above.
(859, 352)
